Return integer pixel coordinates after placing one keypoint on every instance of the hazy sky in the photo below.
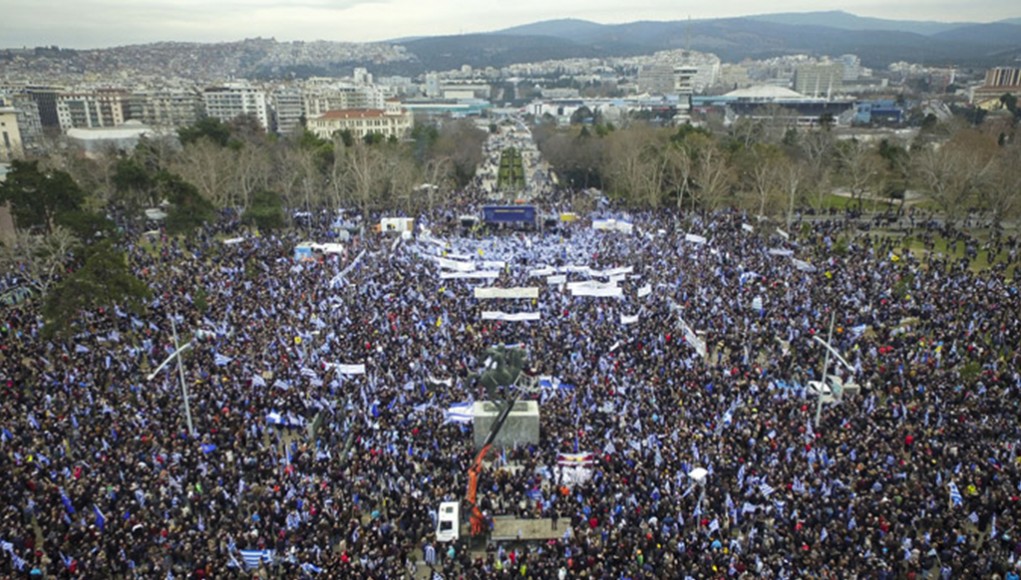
(101, 23)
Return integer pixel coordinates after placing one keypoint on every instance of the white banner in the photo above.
(645, 291)
(624, 319)
(748, 228)
(599, 292)
(542, 272)
(612, 226)
(482, 274)
(554, 280)
(483, 293)
(781, 252)
(447, 264)
(509, 316)
(489, 264)
(694, 238)
(347, 369)
(803, 266)
(783, 234)
(614, 272)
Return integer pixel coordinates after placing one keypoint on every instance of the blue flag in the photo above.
(100, 518)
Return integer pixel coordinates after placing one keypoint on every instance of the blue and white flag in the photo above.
(310, 568)
(258, 381)
(955, 495)
(459, 413)
(253, 558)
(221, 360)
(766, 489)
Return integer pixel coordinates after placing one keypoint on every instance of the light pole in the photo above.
(180, 369)
(825, 368)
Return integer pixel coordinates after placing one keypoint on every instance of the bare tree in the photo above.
(206, 165)
(1000, 193)
(953, 173)
(711, 174)
(860, 168)
(39, 258)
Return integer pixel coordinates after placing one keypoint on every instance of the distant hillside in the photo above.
(848, 21)
(878, 42)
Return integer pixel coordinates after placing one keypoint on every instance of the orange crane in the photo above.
(477, 518)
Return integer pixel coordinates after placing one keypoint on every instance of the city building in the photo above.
(93, 108)
(819, 80)
(168, 107)
(10, 135)
(27, 112)
(391, 121)
(765, 102)
(288, 108)
(878, 112)
(999, 81)
(231, 100)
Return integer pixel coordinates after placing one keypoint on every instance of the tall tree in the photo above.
(37, 197)
(103, 280)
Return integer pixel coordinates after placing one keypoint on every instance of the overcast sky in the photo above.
(102, 23)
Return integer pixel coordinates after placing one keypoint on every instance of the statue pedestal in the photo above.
(521, 426)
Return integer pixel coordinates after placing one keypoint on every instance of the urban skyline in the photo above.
(105, 23)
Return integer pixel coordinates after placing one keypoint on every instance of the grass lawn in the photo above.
(941, 248)
(831, 201)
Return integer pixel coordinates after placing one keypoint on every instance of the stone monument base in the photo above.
(521, 426)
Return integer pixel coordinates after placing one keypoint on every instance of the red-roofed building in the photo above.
(391, 121)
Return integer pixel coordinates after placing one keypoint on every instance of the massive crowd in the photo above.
(916, 476)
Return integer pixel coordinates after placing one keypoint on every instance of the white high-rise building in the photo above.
(232, 100)
(288, 107)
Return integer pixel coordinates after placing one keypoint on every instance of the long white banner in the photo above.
(599, 292)
(509, 316)
(525, 292)
(645, 291)
(554, 280)
(455, 265)
(694, 238)
(482, 274)
(348, 369)
(624, 319)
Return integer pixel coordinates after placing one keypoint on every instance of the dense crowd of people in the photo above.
(325, 471)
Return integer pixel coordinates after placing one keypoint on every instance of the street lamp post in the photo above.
(825, 369)
(180, 370)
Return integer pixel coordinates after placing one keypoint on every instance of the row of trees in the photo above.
(62, 205)
(771, 166)
(237, 165)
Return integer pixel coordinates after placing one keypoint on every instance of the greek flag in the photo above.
(310, 568)
(258, 381)
(459, 413)
(766, 489)
(253, 558)
(80, 348)
(714, 525)
(955, 495)
(307, 372)
(221, 360)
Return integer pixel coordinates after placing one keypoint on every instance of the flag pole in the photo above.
(184, 385)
